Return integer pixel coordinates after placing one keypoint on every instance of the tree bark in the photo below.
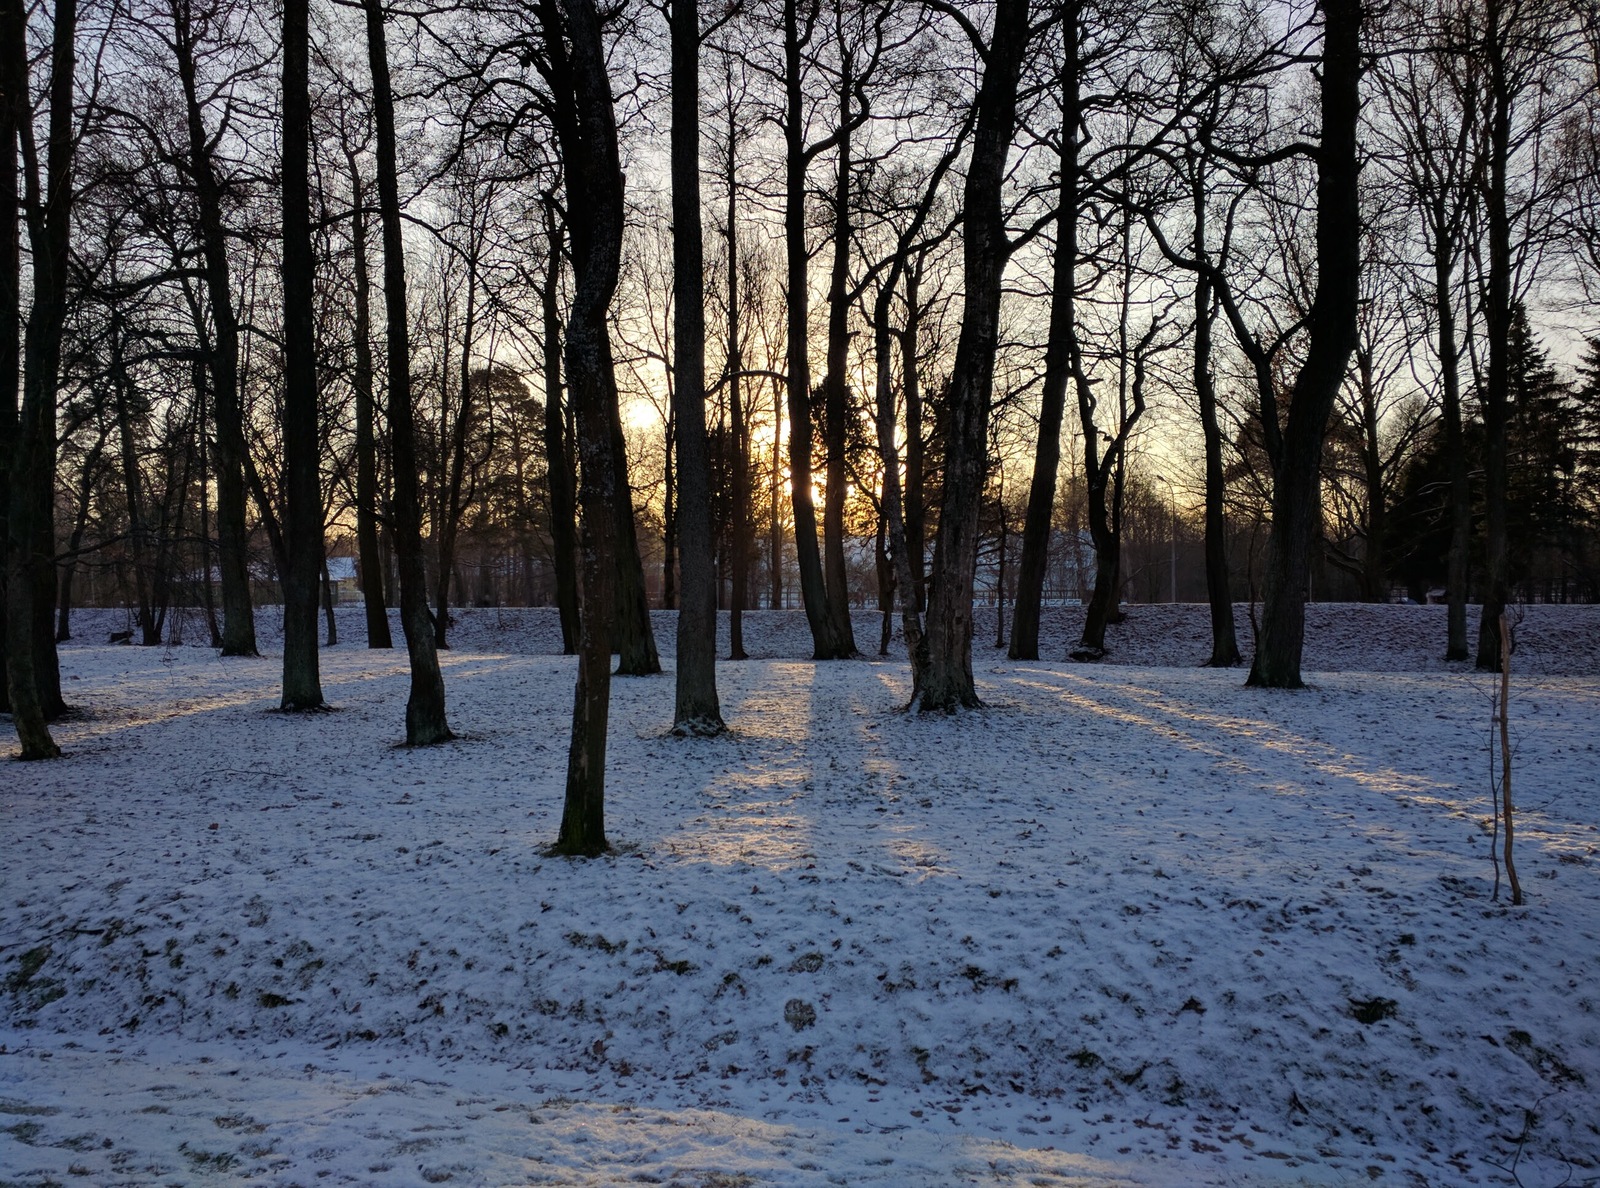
(827, 643)
(775, 535)
(1497, 324)
(133, 489)
(1105, 528)
(450, 500)
(915, 502)
(302, 514)
(669, 503)
(233, 559)
(12, 109)
(328, 617)
(86, 479)
(425, 706)
(1105, 475)
(1375, 559)
(900, 546)
(1296, 513)
(586, 128)
(742, 544)
(948, 682)
(32, 676)
(835, 386)
(368, 553)
(1456, 565)
(697, 710)
(1219, 589)
(558, 465)
(635, 638)
(1038, 520)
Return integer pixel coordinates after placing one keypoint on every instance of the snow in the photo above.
(1121, 927)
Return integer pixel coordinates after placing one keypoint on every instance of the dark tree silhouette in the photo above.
(32, 674)
(425, 707)
(586, 131)
(238, 616)
(1297, 473)
(696, 710)
(302, 514)
(948, 683)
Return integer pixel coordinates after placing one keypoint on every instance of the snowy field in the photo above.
(1132, 924)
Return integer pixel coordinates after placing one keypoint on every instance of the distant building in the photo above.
(342, 576)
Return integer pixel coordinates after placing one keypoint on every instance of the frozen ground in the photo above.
(1133, 924)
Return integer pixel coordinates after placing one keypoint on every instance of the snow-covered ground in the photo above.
(1132, 924)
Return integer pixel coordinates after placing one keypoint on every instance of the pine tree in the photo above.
(1541, 460)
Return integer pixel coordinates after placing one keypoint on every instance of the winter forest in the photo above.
(1073, 418)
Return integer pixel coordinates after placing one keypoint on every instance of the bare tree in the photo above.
(369, 554)
(587, 133)
(190, 28)
(302, 516)
(563, 501)
(948, 682)
(1039, 518)
(1433, 123)
(741, 545)
(1516, 50)
(830, 635)
(1219, 593)
(1332, 330)
(425, 707)
(1105, 454)
(696, 710)
(13, 110)
(32, 676)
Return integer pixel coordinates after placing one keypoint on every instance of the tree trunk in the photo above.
(233, 559)
(1105, 475)
(1000, 582)
(1497, 320)
(169, 532)
(13, 40)
(885, 573)
(900, 547)
(1219, 587)
(742, 546)
(1104, 603)
(696, 710)
(1296, 510)
(775, 537)
(425, 707)
(836, 388)
(948, 683)
(586, 128)
(558, 464)
(368, 554)
(450, 499)
(916, 516)
(32, 674)
(206, 594)
(1037, 522)
(302, 513)
(669, 506)
(133, 488)
(327, 606)
(1456, 572)
(1374, 560)
(80, 524)
(635, 638)
(827, 643)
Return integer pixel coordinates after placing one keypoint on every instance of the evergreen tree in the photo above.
(1541, 462)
